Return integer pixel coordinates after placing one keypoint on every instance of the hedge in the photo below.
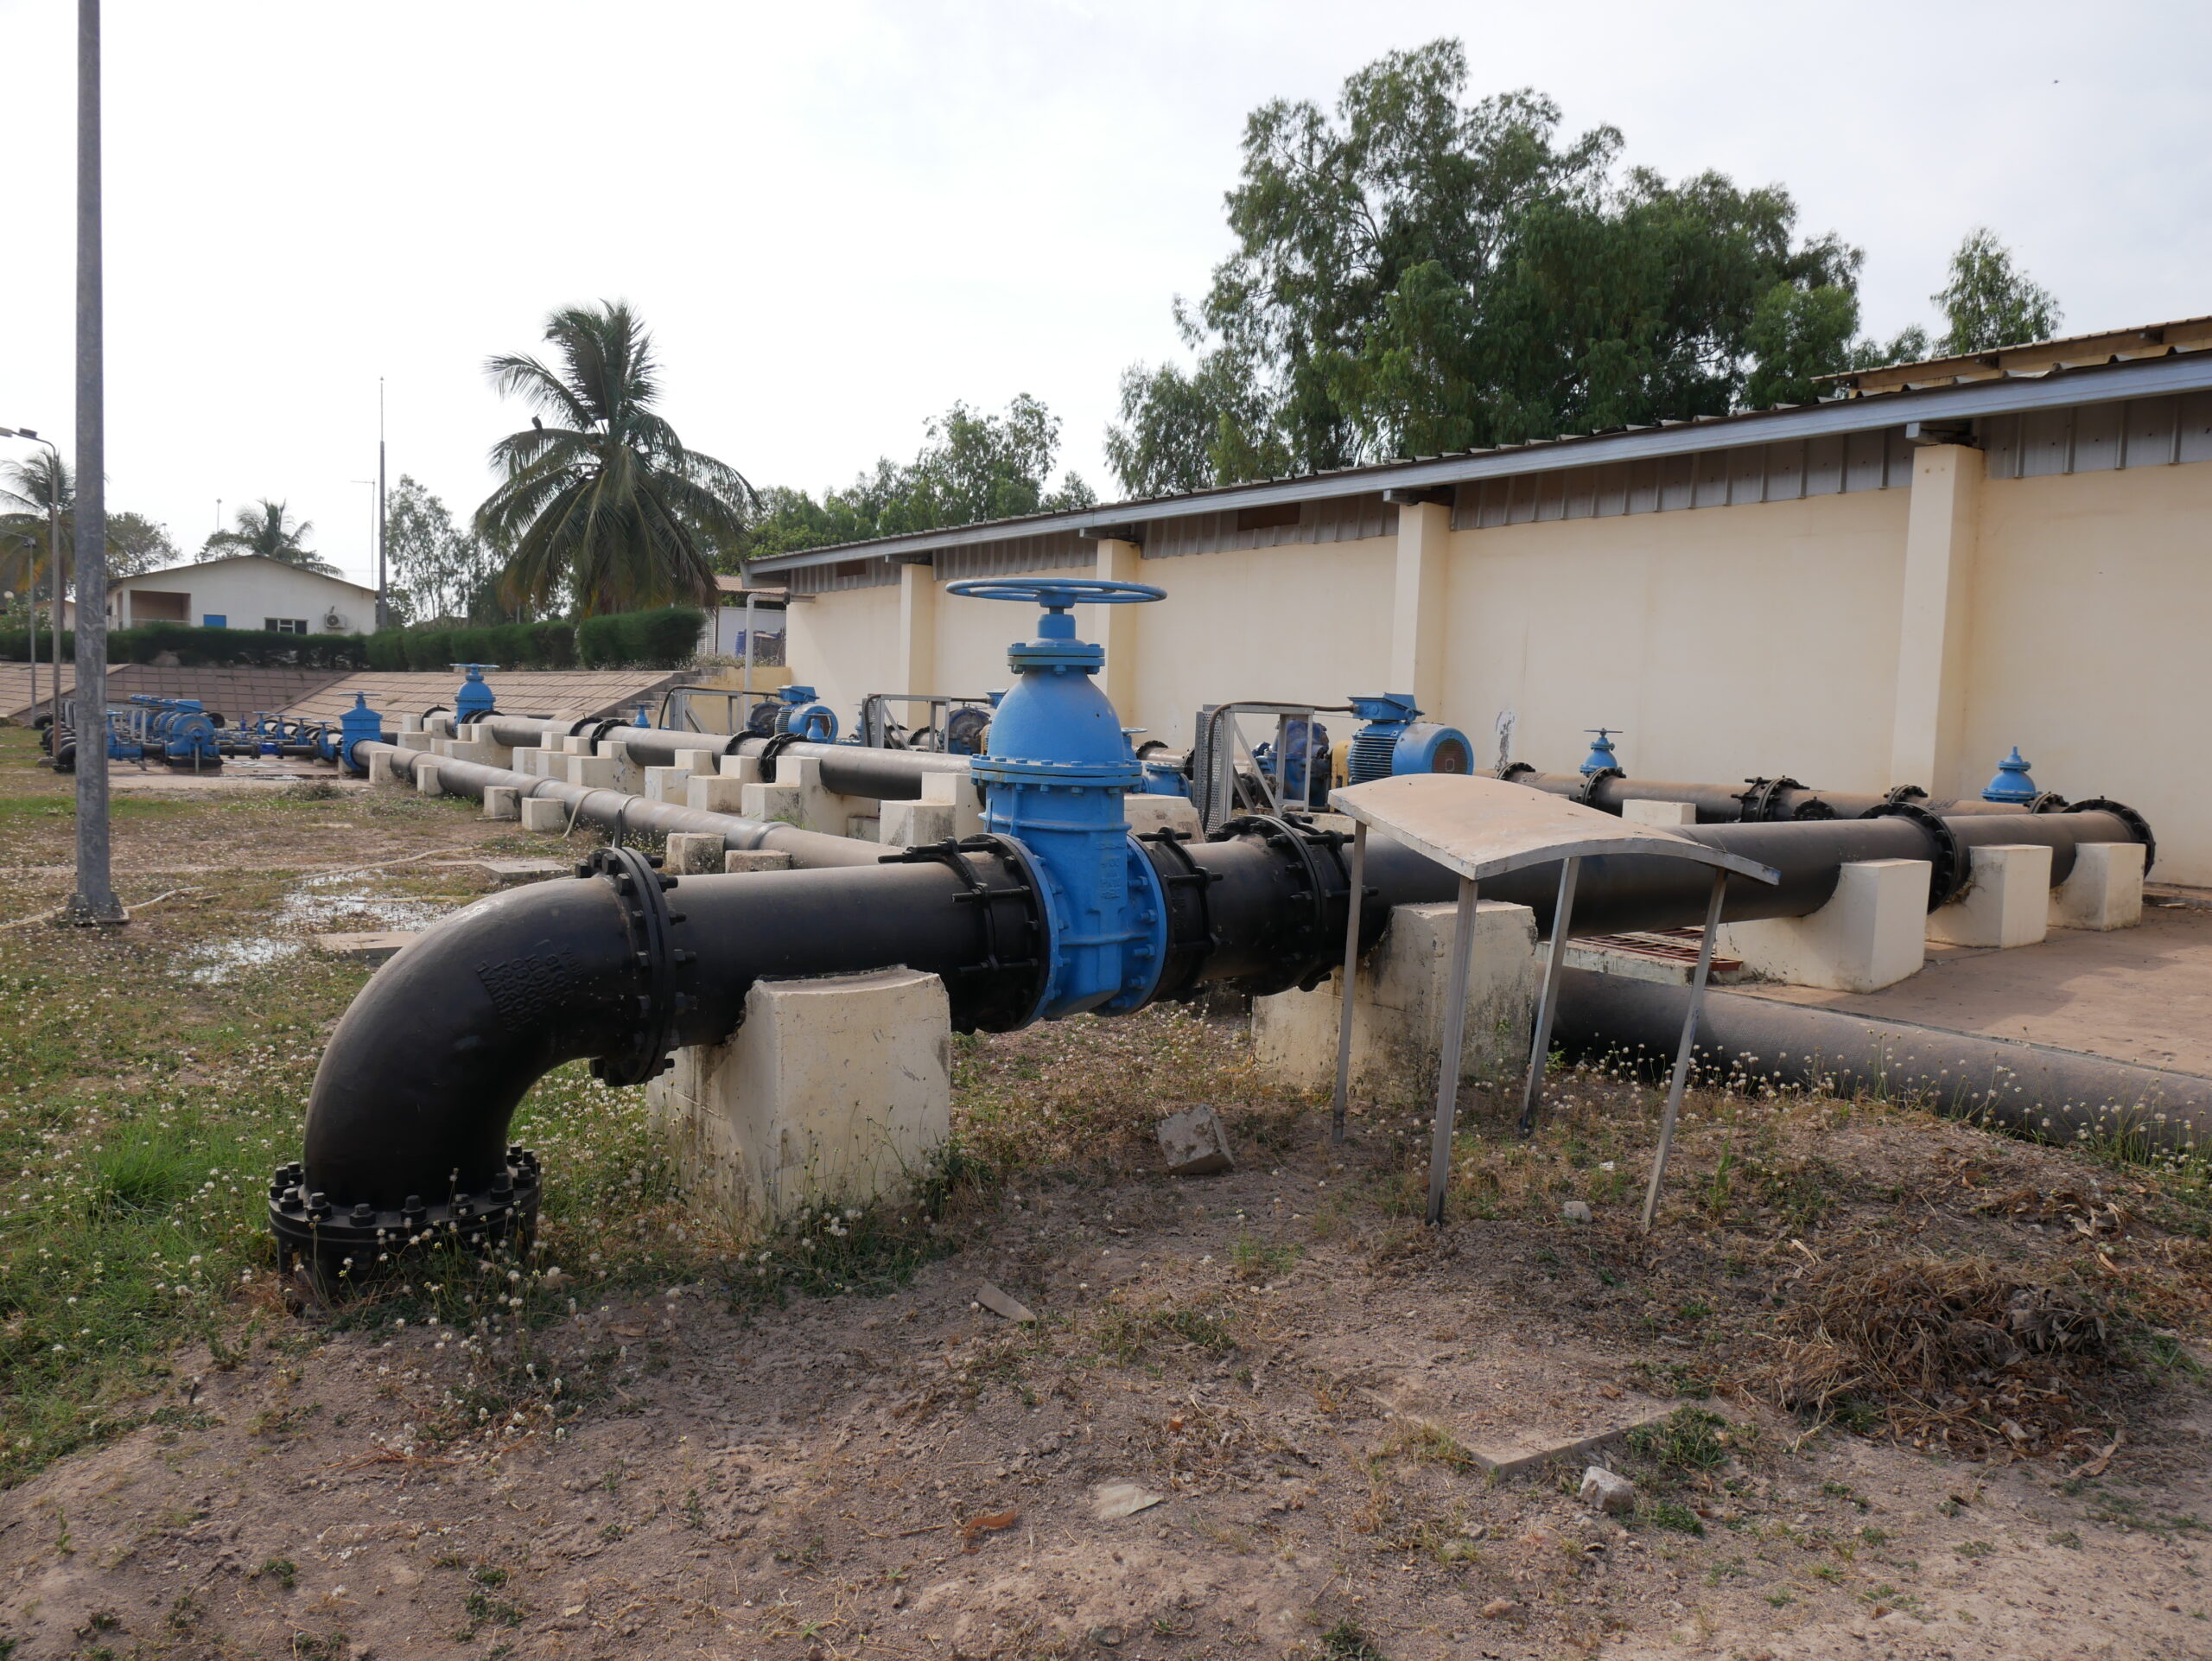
(667, 638)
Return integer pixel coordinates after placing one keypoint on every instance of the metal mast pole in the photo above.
(94, 901)
(383, 605)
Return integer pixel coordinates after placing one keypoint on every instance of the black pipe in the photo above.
(849, 769)
(2055, 1093)
(1759, 800)
(620, 812)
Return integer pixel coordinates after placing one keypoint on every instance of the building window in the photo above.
(286, 625)
(214, 620)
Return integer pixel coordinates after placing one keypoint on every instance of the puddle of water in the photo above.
(364, 899)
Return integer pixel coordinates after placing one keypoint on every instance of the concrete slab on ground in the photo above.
(243, 774)
(2140, 994)
(374, 946)
(507, 873)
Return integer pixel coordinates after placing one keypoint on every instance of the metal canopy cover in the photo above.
(1485, 827)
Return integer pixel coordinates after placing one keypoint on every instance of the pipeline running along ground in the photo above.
(650, 1439)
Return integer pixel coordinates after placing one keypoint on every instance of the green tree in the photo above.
(436, 570)
(1990, 301)
(1418, 273)
(267, 528)
(135, 543)
(605, 504)
(972, 466)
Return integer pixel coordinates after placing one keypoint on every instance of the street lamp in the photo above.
(54, 560)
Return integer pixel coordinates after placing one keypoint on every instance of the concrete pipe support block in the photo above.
(694, 853)
(1398, 1007)
(1872, 933)
(745, 769)
(1644, 812)
(2104, 890)
(916, 824)
(714, 794)
(411, 724)
(426, 778)
(665, 784)
(837, 1091)
(771, 802)
(380, 771)
(738, 860)
(2007, 902)
(1148, 813)
(417, 740)
(502, 801)
(595, 772)
(544, 813)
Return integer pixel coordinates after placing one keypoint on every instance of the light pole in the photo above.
(54, 564)
(94, 901)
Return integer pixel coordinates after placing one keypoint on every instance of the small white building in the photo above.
(243, 591)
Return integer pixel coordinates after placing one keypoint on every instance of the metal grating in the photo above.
(1339, 519)
(1055, 550)
(1826, 466)
(845, 574)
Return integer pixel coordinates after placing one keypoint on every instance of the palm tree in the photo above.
(265, 528)
(605, 502)
(28, 489)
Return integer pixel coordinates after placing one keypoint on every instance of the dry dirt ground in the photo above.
(1845, 1447)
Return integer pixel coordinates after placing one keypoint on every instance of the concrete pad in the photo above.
(693, 853)
(373, 947)
(1398, 1009)
(1668, 958)
(2143, 994)
(502, 802)
(714, 794)
(1148, 813)
(1644, 812)
(837, 1090)
(665, 784)
(2103, 891)
(544, 813)
(2007, 902)
(509, 873)
(754, 859)
(915, 824)
(1872, 933)
(426, 778)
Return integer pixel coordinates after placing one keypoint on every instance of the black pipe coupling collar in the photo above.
(649, 1048)
(2128, 817)
(1310, 914)
(1585, 796)
(347, 1243)
(1948, 860)
(999, 991)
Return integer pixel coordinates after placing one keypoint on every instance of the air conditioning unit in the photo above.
(334, 621)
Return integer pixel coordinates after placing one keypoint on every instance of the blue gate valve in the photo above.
(474, 700)
(1053, 779)
(357, 726)
(2012, 783)
(1601, 756)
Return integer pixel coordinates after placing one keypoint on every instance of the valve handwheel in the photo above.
(1058, 596)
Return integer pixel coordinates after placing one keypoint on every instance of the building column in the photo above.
(1115, 627)
(1941, 529)
(916, 632)
(1417, 601)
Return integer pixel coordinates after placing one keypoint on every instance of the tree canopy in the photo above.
(1989, 301)
(601, 501)
(972, 465)
(437, 570)
(135, 543)
(1416, 272)
(267, 528)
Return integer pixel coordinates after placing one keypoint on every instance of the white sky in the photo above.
(838, 217)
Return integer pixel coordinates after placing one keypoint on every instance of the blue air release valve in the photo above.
(1053, 779)
(2012, 783)
(1601, 758)
(474, 700)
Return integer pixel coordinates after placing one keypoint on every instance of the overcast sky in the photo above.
(838, 218)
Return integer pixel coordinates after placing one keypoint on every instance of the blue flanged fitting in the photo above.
(1053, 779)
(474, 700)
(1397, 739)
(2012, 783)
(357, 726)
(1601, 758)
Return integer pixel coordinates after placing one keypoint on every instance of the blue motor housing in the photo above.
(800, 714)
(474, 700)
(1053, 780)
(1396, 740)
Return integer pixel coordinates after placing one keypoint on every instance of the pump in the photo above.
(474, 700)
(1053, 778)
(798, 712)
(1397, 739)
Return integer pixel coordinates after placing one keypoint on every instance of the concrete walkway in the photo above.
(2141, 994)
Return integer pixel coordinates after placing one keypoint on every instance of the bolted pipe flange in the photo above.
(1590, 781)
(1948, 860)
(650, 1044)
(2128, 817)
(1757, 801)
(331, 1244)
(997, 993)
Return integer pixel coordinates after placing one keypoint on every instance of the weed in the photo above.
(282, 1570)
(1256, 1260)
(1346, 1642)
(1690, 1439)
(1667, 1514)
(2067, 1539)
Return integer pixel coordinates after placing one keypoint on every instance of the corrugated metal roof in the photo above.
(2058, 385)
(2031, 359)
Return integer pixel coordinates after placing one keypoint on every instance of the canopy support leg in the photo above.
(1683, 1052)
(1448, 1058)
(1350, 981)
(1540, 1048)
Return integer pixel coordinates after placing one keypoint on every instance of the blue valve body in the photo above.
(358, 725)
(2012, 783)
(474, 698)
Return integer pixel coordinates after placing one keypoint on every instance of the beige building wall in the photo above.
(1726, 641)
(846, 646)
(2087, 645)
